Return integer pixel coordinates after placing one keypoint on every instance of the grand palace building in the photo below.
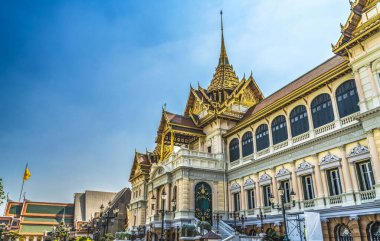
(317, 139)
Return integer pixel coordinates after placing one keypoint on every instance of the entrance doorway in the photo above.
(203, 202)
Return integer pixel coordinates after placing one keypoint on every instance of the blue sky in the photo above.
(83, 82)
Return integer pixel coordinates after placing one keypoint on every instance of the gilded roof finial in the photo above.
(223, 59)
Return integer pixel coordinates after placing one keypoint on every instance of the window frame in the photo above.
(322, 110)
(247, 144)
(308, 189)
(251, 198)
(350, 104)
(279, 129)
(236, 197)
(361, 177)
(234, 149)
(334, 183)
(266, 195)
(299, 120)
(262, 137)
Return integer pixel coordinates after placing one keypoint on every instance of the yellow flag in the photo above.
(26, 173)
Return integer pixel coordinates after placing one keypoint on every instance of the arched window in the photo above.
(321, 110)
(262, 137)
(373, 231)
(234, 150)
(347, 98)
(299, 122)
(343, 233)
(279, 131)
(247, 143)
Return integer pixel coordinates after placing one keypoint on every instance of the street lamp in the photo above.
(163, 198)
(217, 217)
(235, 216)
(281, 207)
(242, 218)
(261, 216)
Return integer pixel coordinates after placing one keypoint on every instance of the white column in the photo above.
(349, 195)
(359, 87)
(372, 79)
(375, 161)
(318, 182)
(310, 119)
(294, 182)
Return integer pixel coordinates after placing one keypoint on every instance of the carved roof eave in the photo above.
(350, 37)
(343, 49)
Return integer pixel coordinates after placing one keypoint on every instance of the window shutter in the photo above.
(360, 177)
(329, 181)
(304, 188)
(371, 173)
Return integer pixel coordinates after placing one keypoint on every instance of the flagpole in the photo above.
(23, 181)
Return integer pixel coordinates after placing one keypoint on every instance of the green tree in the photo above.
(2, 195)
(13, 236)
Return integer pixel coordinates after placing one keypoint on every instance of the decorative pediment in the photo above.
(358, 153)
(283, 174)
(158, 172)
(358, 150)
(235, 187)
(265, 179)
(304, 168)
(249, 184)
(328, 159)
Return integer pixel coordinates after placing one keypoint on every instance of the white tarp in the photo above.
(313, 227)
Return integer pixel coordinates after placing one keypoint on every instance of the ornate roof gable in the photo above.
(359, 26)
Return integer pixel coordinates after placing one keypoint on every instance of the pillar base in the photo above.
(348, 199)
(319, 203)
(377, 189)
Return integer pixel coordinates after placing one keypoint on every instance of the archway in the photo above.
(343, 233)
(373, 231)
(203, 202)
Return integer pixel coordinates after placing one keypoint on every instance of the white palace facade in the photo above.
(317, 138)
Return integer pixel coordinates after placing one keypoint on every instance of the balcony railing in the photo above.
(348, 119)
(267, 209)
(309, 203)
(325, 128)
(301, 137)
(367, 195)
(336, 200)
(263, 152)
(280, 145)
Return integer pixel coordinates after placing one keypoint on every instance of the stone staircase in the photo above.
(225, 231)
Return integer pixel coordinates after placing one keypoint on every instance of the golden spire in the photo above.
(224, 78)
(223, 59)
